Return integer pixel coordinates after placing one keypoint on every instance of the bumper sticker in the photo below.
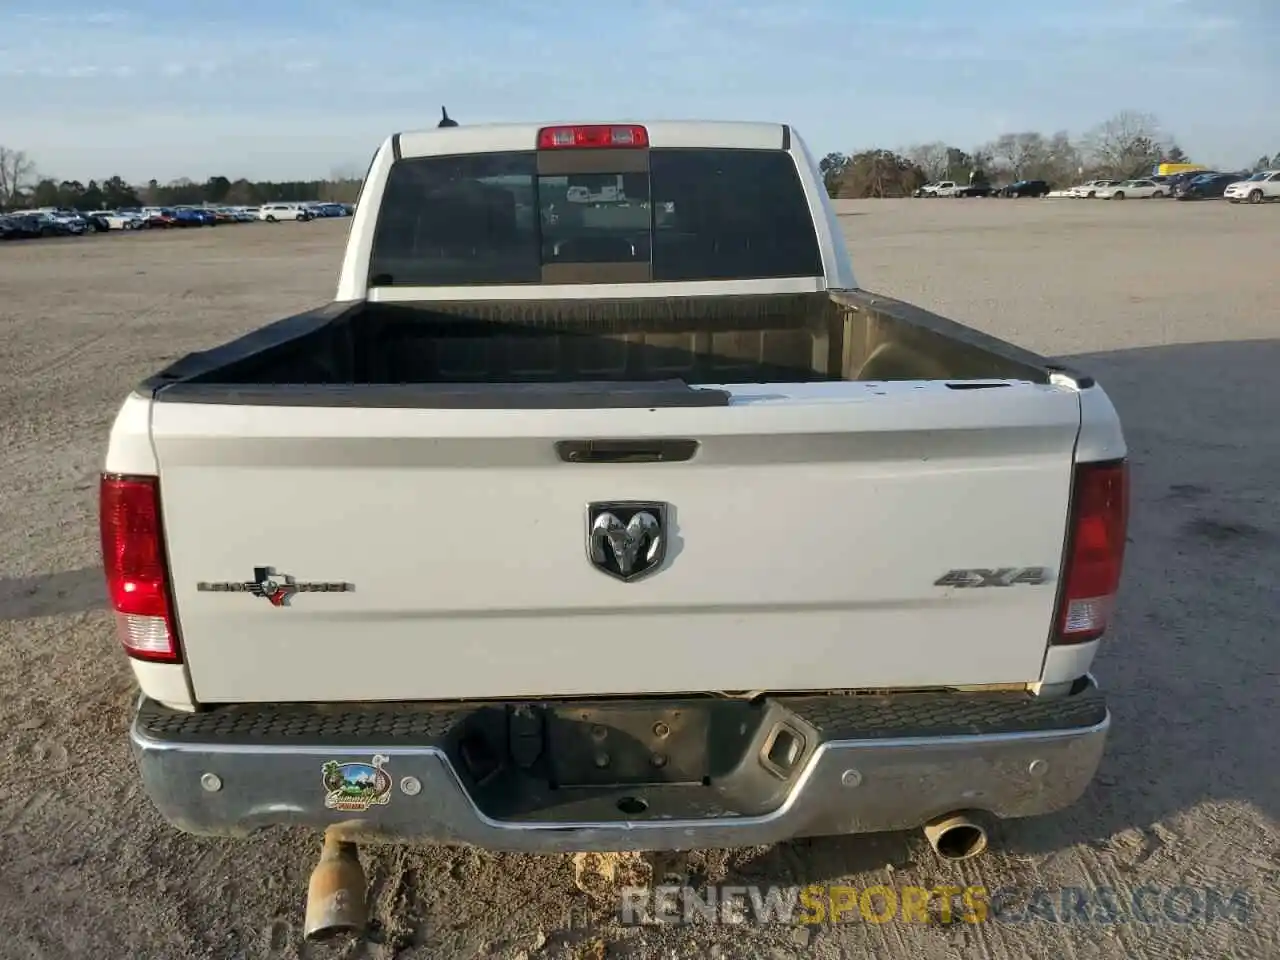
(356, 786)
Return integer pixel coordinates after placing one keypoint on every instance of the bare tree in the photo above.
(1061, 161)
(17, 172)
(1031, 152)
(1062, 149)
(1021, 154)
(981, 164)
(1004, 151)
(1126, 143)
(931, 158)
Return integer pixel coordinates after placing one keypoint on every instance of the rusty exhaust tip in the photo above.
(336, 893)
(956, 836)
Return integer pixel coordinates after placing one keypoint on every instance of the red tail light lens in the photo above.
(137, 571)
(1095, 551)
(592, 137)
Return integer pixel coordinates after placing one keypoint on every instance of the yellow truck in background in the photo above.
(1169, 169)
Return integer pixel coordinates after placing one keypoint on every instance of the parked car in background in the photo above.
(64, 225)
(95, 222)
(1026, 188)
(1263, 185)
(47, 225)
(39, 225)
(73, 221)
(141, 220)
(1090, 189)
(23, 226)
(159, 216)
(274, 212)
(975, 190)
(120, 220)
(1133, 190)
(941, 188)
(1206, 187)
(10, 229)
(331, 210)
(1180, 180)
(186, 217)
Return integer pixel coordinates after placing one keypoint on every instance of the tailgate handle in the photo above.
(626, 451)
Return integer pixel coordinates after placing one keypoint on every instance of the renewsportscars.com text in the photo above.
(817, 904)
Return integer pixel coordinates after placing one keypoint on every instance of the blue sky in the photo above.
(300, 88)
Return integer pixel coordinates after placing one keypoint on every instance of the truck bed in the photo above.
(634, 352)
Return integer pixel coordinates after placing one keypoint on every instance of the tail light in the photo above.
(592, 137)
(137, 570)
(1095, 551)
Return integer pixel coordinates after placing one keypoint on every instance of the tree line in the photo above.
(22, 187)
(1130, 144)
(1127, 145)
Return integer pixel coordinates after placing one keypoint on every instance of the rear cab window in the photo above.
(594, 216)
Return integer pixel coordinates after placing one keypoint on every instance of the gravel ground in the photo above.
(1176, 309)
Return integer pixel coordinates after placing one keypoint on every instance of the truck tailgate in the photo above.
(441, 554)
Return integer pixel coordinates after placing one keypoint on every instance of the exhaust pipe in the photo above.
(956, 836)
(336, 894)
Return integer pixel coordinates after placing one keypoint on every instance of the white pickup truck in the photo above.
(603, 510)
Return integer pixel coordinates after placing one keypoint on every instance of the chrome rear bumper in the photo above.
(862, 764)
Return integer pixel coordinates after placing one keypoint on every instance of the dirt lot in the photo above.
(1176, 309)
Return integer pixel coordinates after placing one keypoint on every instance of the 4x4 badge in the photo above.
(977, 577)
(273, 586)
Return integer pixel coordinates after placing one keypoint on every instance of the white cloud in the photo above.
(98, 18)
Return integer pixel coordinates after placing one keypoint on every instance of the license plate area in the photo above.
(628, 745)
(590, 761)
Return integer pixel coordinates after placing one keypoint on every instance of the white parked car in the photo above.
(1090, 189)
(1263, 185)
(121, 221)
(1132, 190)
(272, 212)
(944, 188)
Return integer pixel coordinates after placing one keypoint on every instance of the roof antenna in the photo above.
(445, 119)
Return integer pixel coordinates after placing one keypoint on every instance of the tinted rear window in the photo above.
(483, 219)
